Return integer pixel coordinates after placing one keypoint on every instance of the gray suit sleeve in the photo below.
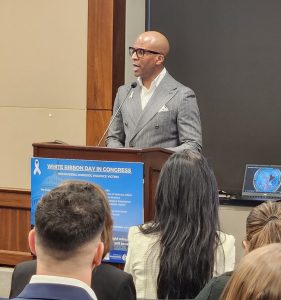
(189, 123)
(116, 134)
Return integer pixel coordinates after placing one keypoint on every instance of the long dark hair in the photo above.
(186, 219)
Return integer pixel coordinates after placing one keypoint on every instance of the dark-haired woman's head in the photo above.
(186, 191)
(186, 219)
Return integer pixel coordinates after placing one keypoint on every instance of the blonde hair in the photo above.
(257, 276)
(263, 225)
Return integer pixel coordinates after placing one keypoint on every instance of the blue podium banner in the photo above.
(122, 181)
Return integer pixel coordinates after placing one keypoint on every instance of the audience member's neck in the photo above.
(65, 269)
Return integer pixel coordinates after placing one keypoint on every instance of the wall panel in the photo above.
(14, 226)
(229, 53)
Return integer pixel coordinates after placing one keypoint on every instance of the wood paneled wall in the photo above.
(105, 72)
(106, 63)
(14, 226)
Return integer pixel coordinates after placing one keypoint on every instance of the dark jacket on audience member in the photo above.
(213, 289)
(108, 282)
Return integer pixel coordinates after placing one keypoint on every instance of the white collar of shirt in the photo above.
(63, 280)
(146, 94)
(155, 81)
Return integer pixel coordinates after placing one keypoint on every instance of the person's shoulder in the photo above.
(105, 269)
(123, 91)
(214, 287)
(134, 230)
(218, 284)
(137, 238)
(21, 276)
(135, 234)
(226, 238)
(223, 278)
(26, 266)
(176, 84)
(168, 77)
(53, 291)
(109, 282)
(125, 87)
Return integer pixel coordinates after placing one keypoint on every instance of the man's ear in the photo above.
(31, 241)
(160, 59)
(245, 245)
(98, 255)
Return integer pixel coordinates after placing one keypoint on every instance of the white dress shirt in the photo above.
(146, 94)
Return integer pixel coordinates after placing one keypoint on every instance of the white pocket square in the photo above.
(164, 108)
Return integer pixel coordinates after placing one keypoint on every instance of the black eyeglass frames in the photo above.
(140, 52)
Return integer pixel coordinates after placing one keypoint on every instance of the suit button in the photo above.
(156, 126)
(126, 124)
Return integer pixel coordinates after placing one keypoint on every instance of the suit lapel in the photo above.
(163, 93)
(134, 105)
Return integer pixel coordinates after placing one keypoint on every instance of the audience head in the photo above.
(257, 276)
(68, 224)
(263, 225)
(186, 218)
(186, 191)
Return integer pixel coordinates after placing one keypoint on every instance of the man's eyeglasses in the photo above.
(140, 52)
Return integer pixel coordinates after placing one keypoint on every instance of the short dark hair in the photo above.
(69, 216)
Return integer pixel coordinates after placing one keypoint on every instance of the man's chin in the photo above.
(136, 72)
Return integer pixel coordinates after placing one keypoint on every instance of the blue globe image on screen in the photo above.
(267, 180)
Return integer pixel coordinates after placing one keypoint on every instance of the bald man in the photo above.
(157, 110)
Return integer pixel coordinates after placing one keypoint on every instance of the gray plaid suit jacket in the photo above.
(170, 120)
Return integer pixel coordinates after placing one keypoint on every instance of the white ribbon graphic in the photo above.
(36, 170)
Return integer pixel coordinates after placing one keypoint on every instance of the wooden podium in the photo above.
(153, 159)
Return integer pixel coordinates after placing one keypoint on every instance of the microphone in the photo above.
(133, 85)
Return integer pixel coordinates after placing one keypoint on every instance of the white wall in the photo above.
(43, 65)
(135, 24)
(43, 72)
(233, 221)
(43, 77)
(5, 281)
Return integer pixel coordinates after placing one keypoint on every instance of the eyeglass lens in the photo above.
(139, 52)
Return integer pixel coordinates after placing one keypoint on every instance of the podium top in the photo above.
(61, 145)
(55, 150)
